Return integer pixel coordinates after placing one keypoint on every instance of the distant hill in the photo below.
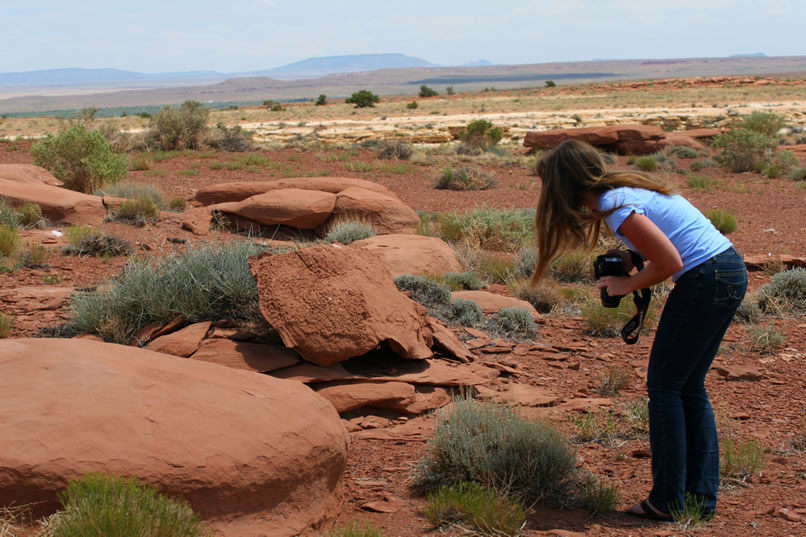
(78, 76)
(328, 65)
(477, 63)
(749, 55)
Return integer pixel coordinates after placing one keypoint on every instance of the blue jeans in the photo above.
(682, 430)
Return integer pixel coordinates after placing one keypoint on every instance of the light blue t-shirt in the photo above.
(691, 233)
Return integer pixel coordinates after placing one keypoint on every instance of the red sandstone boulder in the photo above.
(249, 452)
(412, 254)
(391, 395)
(238, 191)
(333, 302)
(304, 209)
(28, 174)
(674, 139)
(386, 212)
(624, 139)
(58, 205)
(183, 342)
(258, 357)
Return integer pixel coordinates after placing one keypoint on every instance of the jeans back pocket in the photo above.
(730, 287)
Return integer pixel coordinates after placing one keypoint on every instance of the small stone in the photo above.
(786, 514)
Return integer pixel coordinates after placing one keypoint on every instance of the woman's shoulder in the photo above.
(623, 195)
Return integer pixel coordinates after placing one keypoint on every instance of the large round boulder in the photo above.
(304, 209)
(248, 451)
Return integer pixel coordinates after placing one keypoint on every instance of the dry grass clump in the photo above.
(465, 178)
(475, 508)
(6, 324)
(394, 149)
(723, 220)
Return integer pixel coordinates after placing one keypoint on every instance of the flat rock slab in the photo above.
(386, 212)
(492, 303)
(37, 297)
(260, 357)
(392, 395)
(331, 303)
(232, 443)
(59, 205)
(183, 342)
(28, 174)
(304, 209)
(413, 254)
(238, 191)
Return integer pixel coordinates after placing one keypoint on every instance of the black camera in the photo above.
(609, 265)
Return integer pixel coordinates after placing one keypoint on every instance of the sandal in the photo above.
(646, 510)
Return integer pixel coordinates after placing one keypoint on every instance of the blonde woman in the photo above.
(676, 241)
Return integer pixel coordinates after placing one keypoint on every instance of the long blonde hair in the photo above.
(563, 222)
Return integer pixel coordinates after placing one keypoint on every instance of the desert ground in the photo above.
(757, 383)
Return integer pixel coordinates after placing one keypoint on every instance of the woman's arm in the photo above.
(662, 258)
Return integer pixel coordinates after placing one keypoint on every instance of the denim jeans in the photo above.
(682, 430)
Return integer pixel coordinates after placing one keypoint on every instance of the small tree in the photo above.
(363, 99)
(449, 90)
(425, 91)
(180, 128)
(550, 84)
(481, 133)
(321, 100)
(81, 158)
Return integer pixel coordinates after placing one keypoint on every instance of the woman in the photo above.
(676, 241)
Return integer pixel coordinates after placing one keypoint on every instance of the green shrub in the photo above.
(9, 240)
(491, 444)
(177, 204)
(180, 128)
(513, 323)
(475, 507)
(481, 133)
(9, 215)
(138, 212)
(430, 294)
(34, 255)
(464, 312)
(740, 461)
(573, 267)
(595, 495)
(692, 512)
(412, 105)
(75, 234)
(748, 312)
(785, 292)
(394, 149)
(465, 178)
(425, 91)
(798, 174)
(276, 107)
(203, 283)
(696, 166)
(30, 214)
(347, 232)
(463, 281)
(80, 158)
(6, 324)
(551, 84)
(764, 339)
(353, 529)
(647, 163)
(133, 191)
(525, 262)
(682, 151)
(723, 220)
(232, 139)
(321, 100)
(488, 228)
(608, 322)
(763, 123)
(742, 148)
(702, 183)
(103, 506)
(99, 245)
(363, 99)
(544, 297)
(140, 162)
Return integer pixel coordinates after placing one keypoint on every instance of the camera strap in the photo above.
(641, 299)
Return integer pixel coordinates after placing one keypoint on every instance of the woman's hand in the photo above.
(616, 285)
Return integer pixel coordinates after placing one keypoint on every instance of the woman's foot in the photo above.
(647, 510)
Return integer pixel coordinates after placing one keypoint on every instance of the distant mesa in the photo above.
(749, 55)
(478, 63)
(328, 65)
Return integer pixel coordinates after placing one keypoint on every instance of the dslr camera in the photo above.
(609, 265)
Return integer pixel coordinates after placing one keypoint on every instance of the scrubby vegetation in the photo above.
(363, 99)
(723, 220)
(348, 231)
(480, 134)
(785, 292)
(475, 507)
(465, 178)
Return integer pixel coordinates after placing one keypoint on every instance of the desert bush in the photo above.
(723, 220)
(763, 123)
(353, 529)
(595, 495)
(647, 163)
(481, 133)
(513, 323)
(30, 214)
(363, 99)
(476, 507)
(493, 268)
(692, 513)
(394, 149)
(703, 183)
(99, 245)
(797, 174)
(463, 281)
(133, 191)
(544, 297)
(740, 461)
(551, 84)
(177, 204)
(491, 444)
(179, 128)
(488, 228)
(232, 139)
(764, 339)
(203, 283)
(140, 162)
(463, 312)
(682, 151)
(785, 292)
(9, 240)
(80, 158)
(430, 294)
(412, 105)
(525, 262)
(573, 267)
(465, 178)
(75, 234)
(33, 255)
(696, 166)
(321, 100)
(9, 216)
(138, 212)
(102, 506)
(6, 324)
(347, 232)
(748, 312)
(618, 377)
(608, 322)
(425, 91)
(742, 148)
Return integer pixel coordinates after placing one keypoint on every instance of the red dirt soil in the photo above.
(771, 410)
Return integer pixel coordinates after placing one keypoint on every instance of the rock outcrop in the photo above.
(248, 451)
(28, 174)
(58, 205)
(412, 254)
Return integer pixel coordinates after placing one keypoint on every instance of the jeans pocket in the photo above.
(730, 287)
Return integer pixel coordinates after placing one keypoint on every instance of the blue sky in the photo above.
(244, 35)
